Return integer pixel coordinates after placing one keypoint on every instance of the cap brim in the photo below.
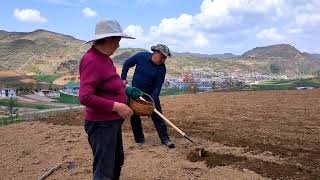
(153, 48)
(122, 35)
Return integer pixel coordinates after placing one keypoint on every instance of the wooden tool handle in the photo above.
(167, 120)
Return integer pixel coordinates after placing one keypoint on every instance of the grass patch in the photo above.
(288, 84)
(5, 102)
(312, 71)
(172, 91)
(46, 78)
(175, 91)
(8, 120)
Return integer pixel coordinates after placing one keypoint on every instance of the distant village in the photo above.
(210, 81)
(195, 78)
(40, 94)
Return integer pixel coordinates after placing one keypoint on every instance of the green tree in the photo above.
(12, 107)
(50, 85)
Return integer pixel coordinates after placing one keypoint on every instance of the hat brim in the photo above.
(101, 36)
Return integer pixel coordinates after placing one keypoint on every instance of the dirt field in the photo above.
(7, 76)
(247, 135)
(65, 79)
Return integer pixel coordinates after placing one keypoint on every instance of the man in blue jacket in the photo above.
(149, 76)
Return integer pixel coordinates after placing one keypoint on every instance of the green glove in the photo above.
(133, 93)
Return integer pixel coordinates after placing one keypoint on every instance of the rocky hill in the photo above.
(39, 51)
(284, 51)
(45, 52)
(282, 58)
(224, 56)
(315, 56)
(123, 54)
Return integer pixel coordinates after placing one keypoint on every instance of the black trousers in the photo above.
(105, 139)
(158, 123)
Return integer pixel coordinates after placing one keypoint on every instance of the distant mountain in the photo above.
(315, 56)
(123, 54)
(224, 56)
(284, 51)
(9, 36)
(39, 51)
(45, 52)
(283, 58)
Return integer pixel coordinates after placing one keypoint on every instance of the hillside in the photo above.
(224, 56)
(123, 54)
(39, 51)
(315, 56)
(45, 52)
(284, 51)
(282, 58)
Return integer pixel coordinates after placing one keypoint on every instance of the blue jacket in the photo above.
(148, 77)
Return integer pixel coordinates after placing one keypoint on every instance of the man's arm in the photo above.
(132, 61)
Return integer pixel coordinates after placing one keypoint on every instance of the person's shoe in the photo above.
(169, 144)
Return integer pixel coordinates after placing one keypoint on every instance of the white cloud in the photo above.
(29, 15)
(75, 3)
(317, 50)
(134, 30)
(138, 33)
(181, 26)
(308, 19)
(271, 34)
(200, 41)
(223, 23)
(295, 31)
(88, 12)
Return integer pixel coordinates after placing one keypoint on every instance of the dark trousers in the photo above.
(158, 123)
(105, 139)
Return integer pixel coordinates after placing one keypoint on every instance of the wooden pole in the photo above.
(170, 123)
(48, 173)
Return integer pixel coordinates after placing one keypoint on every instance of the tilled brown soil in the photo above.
(247, 135)
(282, 123)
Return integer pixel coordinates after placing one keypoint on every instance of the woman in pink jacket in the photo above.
(103, 93)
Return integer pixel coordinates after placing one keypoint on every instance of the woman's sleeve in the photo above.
(89, 80)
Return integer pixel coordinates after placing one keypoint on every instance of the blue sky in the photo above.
(204, 26)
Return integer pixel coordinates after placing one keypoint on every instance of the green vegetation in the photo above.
(36, 70)
(8, 120)
(288, 84)
(172, 91)
(314, 72)
(175, 91)
(12, 107)
(6, 102)
(46, 78)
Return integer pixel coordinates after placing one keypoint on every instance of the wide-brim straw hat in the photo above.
(108, 28)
